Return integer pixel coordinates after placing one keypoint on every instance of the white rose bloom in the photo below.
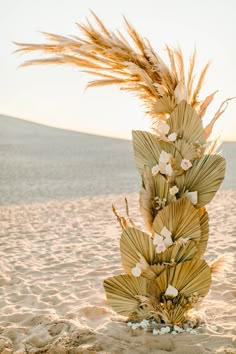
(171, 291)
(157, 239)
(172, 137)
(185, 164)
(192, 196)
(160, 248)
(163, 127)
(136, 271)
(169, 170)
(164, 157)
(174, 190)
(155, 170)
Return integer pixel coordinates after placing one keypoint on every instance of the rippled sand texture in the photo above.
(54, 257)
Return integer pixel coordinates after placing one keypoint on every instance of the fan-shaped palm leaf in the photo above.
(154, 195)
(148, 147)
(188, 278)
(205, 177)
(123, 292)
(185, 121)
(136, 246)
(181, 219)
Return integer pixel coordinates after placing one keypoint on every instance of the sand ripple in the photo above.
(54, 257)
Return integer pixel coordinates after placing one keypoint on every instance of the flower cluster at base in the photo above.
(153, 327)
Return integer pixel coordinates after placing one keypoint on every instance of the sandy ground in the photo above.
(54, 257)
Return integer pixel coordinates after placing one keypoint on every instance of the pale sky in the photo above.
(55, 96)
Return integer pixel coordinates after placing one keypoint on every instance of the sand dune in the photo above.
(54, 257)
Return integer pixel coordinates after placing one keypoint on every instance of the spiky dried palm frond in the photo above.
(130, 63)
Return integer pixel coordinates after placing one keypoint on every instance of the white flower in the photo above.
(165, 232)
(174, 333)
(135, 326)
(163, 127)
(157, 240)
(144, 324)
(192, 196)
(180, 92)
(142, 264)
(172, 137)
(155, 170)
(185, 164)
(162, 166)
(165, 330)
(178, 329)
(160, 248)
(171, 291)
(136, 271)
(164, 157)
(169, 170)
(174, 190)
(155, 332)
(129, 324)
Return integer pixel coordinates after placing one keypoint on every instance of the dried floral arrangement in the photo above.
(165, 273)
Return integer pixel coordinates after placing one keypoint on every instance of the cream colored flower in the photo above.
(155, 170)
(169, 170)
(163, 127)
(160, 248)
(136, 271)
(167, 237)
(157, 240)
(174, 190)
(172, 137)
(164, 157)
(192, 196)
(185, 164)
(171, 291)
(180, 92)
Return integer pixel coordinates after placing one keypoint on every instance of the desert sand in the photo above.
(54, 257)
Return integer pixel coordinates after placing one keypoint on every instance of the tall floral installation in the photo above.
(165, 274)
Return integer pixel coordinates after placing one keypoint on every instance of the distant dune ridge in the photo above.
(40, 163)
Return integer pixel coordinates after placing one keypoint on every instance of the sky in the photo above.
(56, 95)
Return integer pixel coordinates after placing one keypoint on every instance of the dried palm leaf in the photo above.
(202, 245)
(135, 244)
(186, 151)
(188, 278)
(147, 149)
(205, 177)
(154, 195)
(124, 291)
(137, 248)
(177, 253)
(164, 106)
(181, 219)
(185, 121)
